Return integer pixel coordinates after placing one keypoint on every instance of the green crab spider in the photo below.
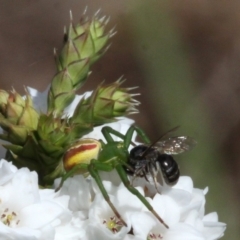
(98, 156)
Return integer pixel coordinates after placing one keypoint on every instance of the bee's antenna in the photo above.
(171, 130)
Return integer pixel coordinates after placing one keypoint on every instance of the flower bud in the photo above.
(3, 97)
(85, 44)
(104, 104)
(18, 117)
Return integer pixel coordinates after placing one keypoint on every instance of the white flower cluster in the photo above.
(79, 211)
(26, 211)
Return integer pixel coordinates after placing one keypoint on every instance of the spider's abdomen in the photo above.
(81, 151)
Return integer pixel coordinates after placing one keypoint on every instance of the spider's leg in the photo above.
(127, 138)
(70, 173)
(93, 169)
(107, 131)
(134, 191)
(142, 135)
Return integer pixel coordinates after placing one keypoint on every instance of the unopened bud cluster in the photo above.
(38, 140)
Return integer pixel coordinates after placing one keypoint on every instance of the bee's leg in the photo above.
(155, 184)
(154, 177)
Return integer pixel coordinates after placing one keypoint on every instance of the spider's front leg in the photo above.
(127, 138)
(93, 169)
(134, 191)
(71, 173)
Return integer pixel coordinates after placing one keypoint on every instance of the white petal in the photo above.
(39, 99)
(78, 190)
(24, 186)
(183, 231)
(40, 214)
(197, 203)
(21, 233)
(214, 231)
(194, 220)
(211, 217)
(212, 228)
(126, 199)
(47, 194)
(167, 209)
(181, 192)
(63, 201)
(7, 171)
(132, 237)
(71, 232)
(143, 223)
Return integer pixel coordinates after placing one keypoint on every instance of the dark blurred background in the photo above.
(185, 57)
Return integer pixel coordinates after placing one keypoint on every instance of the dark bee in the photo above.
(145, 161)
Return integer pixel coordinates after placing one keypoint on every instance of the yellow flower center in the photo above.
(9, 218)
(113, 224)
(153, 236)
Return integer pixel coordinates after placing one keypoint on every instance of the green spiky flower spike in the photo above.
(38, 140)
(85, 43)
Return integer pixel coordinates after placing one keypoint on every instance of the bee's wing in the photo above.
(176, 145)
